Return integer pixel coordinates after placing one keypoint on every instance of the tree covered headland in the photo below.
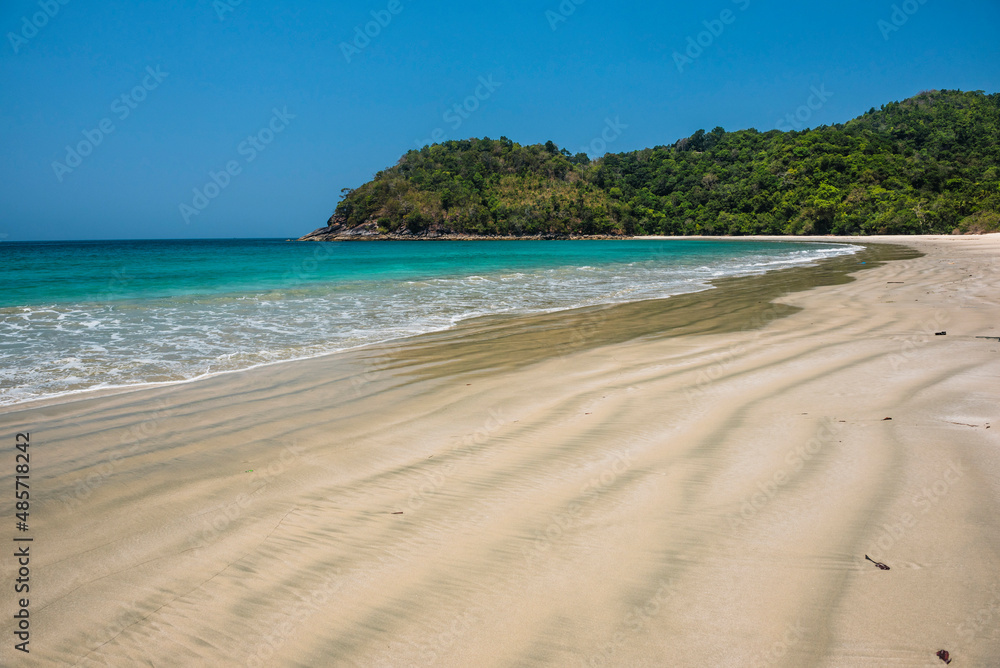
(929, 164)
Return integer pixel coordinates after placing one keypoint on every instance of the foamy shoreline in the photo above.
(78, 366)
(553, 494)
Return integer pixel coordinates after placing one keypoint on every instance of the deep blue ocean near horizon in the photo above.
(79, 315)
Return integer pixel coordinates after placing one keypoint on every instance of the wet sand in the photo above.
(688, 482)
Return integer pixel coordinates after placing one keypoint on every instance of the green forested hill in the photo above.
(928, 164)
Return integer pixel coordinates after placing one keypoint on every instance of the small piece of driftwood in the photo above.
(877, 563)
(992, 338)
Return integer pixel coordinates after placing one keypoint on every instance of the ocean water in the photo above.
(82, 315)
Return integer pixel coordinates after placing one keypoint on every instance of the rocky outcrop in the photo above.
(335, 230)
(338, 231)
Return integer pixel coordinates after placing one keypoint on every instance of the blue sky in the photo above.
(272, 108)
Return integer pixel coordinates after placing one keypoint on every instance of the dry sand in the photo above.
(623, 487)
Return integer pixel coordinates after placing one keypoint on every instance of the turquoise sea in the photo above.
(92, 314)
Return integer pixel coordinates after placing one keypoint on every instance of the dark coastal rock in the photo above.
(334, 227)
(317, 234)
(335, 230)
(366, 230)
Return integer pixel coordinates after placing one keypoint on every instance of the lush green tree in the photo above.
(927, 164)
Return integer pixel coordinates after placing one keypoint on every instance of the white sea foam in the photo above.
(55, 349)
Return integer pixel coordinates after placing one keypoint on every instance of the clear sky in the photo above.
(113, 114)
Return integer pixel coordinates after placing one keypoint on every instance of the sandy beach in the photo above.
(691, 482)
